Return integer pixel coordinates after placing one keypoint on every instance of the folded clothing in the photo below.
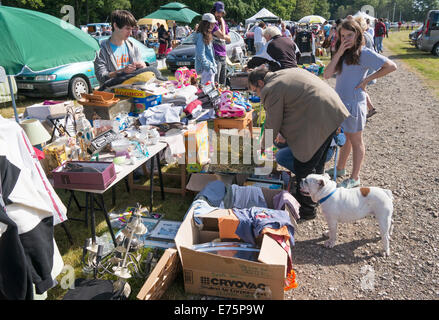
(247, 196)
(285, 199)
(214, 192)
(163, 113)
(191, 106)
(253, 220)
(182, 96)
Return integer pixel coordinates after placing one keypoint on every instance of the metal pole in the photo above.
(11, 89)
(394, 6)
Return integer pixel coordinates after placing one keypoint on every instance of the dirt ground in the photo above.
(402, 154)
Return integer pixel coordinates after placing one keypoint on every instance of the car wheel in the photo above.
(77, 86)
(435, 50)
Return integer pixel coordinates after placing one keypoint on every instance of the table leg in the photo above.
(70, 199)
(90, 204)
(183, 180)
(107, 219)
(151, 185)
(76, 200)
(69, 235)
(54, 128)
(160, 176)
(113, 196)
(127, 185)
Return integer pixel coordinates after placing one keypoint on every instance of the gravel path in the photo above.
(402, 154)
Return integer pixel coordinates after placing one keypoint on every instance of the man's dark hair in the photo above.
(262, 24)
(257, 74)
(122, 18)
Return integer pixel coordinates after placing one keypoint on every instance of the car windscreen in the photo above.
(190, 39)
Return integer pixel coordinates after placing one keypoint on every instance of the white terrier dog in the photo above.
(348, 205)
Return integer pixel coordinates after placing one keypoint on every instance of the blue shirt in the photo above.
(327, 28)
(121, 55)
(352, 75)
(204, 56)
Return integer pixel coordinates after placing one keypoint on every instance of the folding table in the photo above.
(96, 196)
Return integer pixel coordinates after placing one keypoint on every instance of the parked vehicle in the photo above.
(72, 79)
(184, 54)
(95, 29)
(429, 39)
(414, 35)
(148, 54)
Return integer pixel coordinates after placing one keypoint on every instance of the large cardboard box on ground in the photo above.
(209, 274)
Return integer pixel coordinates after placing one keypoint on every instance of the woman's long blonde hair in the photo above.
(351, 55)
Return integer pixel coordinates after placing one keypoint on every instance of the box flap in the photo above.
(161, 277)
(187, 234)
(218, 213)
(269, 195)
(199, 180)
(272, 253)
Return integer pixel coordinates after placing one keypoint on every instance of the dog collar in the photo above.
(327, 197)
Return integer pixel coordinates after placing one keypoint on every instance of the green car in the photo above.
(71, 79)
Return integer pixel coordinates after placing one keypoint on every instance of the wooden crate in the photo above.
(161, 277)
(235, 123)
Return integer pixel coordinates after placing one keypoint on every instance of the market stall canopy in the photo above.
(365, 16)
(175, 11)
(261, 15)
(152, 22)
(312, 19)
(40, 41)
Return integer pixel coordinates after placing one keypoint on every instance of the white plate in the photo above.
(183, 63)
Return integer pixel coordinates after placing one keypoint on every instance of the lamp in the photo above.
(35, 131)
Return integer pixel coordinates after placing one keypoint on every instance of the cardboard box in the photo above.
(198, 181)
(141, 104)
(161, 277)
(41, 112)
(209, 274)
(109, 113)
(197, 144)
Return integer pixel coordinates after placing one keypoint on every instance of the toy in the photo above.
(241, 101)
(185, 77)
(228, 108)
(315, 68)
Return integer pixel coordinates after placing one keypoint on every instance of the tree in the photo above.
(282, 8)
(321, 8)
(303, 8)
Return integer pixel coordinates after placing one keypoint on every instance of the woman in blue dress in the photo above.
(351, 63)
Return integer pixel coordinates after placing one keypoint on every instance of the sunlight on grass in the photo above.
(422, 63)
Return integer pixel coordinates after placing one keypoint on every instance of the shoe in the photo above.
(371, 113)
(349, 183)
(340, 173)
(306, 217)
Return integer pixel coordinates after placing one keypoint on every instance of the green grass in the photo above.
(173, 207)
(422, 63)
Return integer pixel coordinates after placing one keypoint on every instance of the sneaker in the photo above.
(349, 183)
(340, 173)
